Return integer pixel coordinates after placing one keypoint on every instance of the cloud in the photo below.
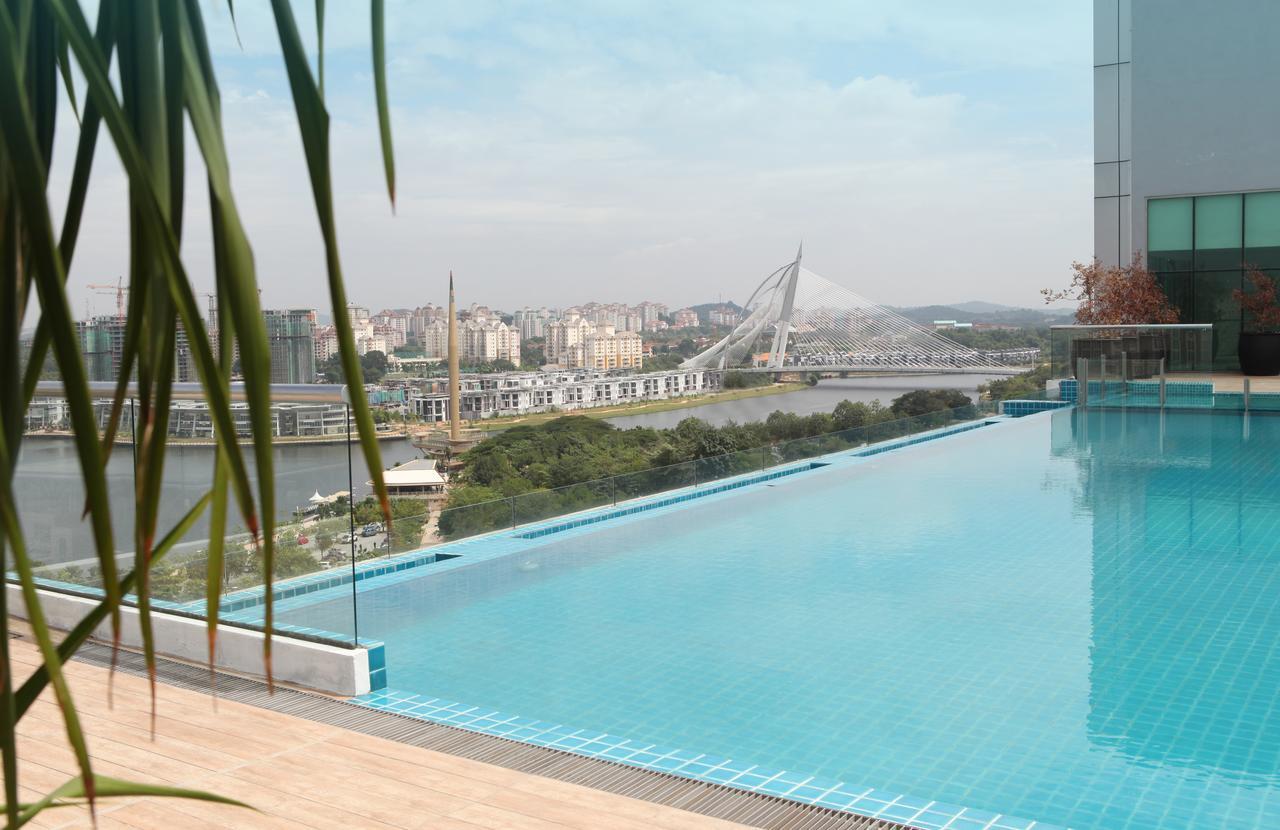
(671, 151)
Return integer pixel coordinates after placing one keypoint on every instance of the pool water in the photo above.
(1072, 617)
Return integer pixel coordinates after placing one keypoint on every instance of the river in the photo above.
(810, 399)
(50, 495)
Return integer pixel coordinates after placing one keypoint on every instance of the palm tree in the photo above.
(165, 84)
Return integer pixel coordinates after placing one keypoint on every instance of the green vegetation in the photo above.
(663, 362)
(529, 472)
(745, 380)
(373, 366)
(533, 353)
(149, 103)
(991, 340)
(1026, 385)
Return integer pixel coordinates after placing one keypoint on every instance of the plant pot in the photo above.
(1260, 353)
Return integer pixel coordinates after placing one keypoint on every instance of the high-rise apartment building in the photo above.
(576, 342)
(291, 336)
(685, 318)
(487, 340)
(102, 344)
(1186, 168)
(533, 322)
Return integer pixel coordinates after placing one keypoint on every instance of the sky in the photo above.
(925, 151)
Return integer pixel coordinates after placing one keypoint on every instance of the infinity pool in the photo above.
(1071, 619)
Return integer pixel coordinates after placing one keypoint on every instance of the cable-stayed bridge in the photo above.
(797, 320)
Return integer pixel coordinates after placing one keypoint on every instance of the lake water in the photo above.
(820, 398)
(50, 496)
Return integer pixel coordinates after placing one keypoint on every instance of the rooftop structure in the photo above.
(414, 479)
(1197, 197)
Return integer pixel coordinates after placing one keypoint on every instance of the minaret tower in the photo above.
(455, 403)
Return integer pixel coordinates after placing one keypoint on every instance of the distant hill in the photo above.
(704, 309)
(981, 306)
(998, 315)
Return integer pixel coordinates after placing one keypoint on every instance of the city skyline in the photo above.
(539, 157)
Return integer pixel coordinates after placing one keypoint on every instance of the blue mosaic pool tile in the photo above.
(1019, 408)
(836, 795)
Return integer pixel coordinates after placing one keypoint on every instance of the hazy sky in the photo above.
(554, 153)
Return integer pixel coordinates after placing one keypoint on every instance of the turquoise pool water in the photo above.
(1072, 618)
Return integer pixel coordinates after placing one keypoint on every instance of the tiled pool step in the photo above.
(1145, 394)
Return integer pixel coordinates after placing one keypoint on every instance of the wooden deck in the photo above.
(1229, 381)
(297, 773)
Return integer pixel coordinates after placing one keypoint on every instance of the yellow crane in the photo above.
(118, 289)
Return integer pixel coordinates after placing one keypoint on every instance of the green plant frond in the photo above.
(73, 794)
(313, 123)
(105, 37)
(164, 81)
(64, 67)
(94, 68)
(378, 13)
(246, 315)
(39, 679)
(28, 178)
(52, 662)
(320, 46)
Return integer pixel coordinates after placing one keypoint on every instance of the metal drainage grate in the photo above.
(703, 797)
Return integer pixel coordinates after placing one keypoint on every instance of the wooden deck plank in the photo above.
(299, 774)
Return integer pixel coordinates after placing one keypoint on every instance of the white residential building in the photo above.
(326, 344)
(520, 393)
(533, 322)
(577, 343)
(488, 339)
(685, 318)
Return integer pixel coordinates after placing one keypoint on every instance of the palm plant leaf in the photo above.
(313, 123)
(165, 81)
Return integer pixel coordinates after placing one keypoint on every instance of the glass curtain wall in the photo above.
(1198, 246)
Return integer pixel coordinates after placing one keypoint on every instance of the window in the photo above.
(1262, 229)
(1169, 230)
(1219, 233)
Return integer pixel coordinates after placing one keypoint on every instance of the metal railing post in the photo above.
(512, 500)
(1163, 391)
(1246, 394)
(1124, 366)
(1082, 381)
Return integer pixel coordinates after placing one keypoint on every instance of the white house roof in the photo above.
(415, 473)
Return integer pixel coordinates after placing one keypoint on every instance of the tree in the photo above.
(924, 401)
(1260, 304)
(1115, 295)
(159, 53)
(533, 352)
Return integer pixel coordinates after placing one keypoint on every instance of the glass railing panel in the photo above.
(470, 520)
(1134, 351)
(656, 480)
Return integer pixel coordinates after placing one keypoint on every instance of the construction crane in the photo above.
(118, 289)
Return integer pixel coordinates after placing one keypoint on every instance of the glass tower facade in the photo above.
(1198, 247)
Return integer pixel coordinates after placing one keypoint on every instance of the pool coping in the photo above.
(698, 797)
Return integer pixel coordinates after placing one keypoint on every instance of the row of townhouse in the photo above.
(522, 393)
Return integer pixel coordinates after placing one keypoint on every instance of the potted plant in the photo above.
(1260, 338)
(1125, 295)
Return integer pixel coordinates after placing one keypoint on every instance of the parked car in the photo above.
(345, 539)
(370, 530)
